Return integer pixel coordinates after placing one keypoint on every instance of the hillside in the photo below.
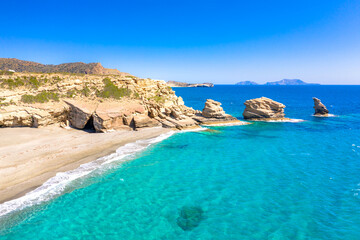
(77, 67)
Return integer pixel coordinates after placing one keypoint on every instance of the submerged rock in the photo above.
(319, 107)
(190, 217)
(263, 108)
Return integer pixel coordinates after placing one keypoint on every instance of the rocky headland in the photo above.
(183, 84)
(320, 108)
(100, 102)
(264, 109)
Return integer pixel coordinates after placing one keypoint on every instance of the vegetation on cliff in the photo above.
(17, 65)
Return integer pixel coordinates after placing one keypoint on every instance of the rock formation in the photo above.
(320, 109)
(103, 103)
(263, 108)
(182, 84)
(213, 113)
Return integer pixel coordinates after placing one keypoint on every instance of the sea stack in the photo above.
(263, 109)
(320, 109)
(213, 113)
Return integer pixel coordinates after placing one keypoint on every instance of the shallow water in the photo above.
(259, 181)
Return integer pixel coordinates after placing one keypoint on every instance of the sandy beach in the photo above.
(30, 156)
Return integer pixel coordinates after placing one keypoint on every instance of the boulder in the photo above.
(319, 107)
(213, 109)
(141, 121)
(80, 112)
(263, 108)
(116, 115)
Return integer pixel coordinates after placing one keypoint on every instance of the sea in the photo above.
(266, 180)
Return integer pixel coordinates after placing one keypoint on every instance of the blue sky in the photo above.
(193, 41)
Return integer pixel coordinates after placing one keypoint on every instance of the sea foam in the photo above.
(56, 185)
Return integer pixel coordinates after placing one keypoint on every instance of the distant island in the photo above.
(183, 84)
(283, 82)
(246, 83)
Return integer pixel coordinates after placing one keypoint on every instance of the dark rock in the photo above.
(320, 108)
(190, 217)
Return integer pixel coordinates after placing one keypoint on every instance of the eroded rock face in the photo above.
(263, 108)
(142, 121)
(33, 115)
(80, 112)
(319, 107)
(213, 109)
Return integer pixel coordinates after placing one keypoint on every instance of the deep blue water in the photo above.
(259, 181)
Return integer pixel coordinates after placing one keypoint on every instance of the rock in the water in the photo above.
(190, 217)
(213, 109)
(260, 108)
(319, 107)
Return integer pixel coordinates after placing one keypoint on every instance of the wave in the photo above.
(226, 124)
(293, 120)
(329, 115)
(56, 185)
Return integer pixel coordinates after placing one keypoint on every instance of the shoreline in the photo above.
(29, 157)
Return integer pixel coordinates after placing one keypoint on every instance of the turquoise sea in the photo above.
(289, 180)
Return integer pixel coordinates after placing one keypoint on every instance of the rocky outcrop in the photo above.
(33, 115)
(263, 108)
(213, 113)
(320, 109)
(98, 102)
(141, 121)
(213, 109)
(182, 84)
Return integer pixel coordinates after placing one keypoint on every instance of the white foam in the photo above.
(325, 116)
(226, 124)
(288, 120)
(56, 185)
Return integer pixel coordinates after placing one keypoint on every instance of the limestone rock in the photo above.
(141, 121)
(213, 109)
(80, 112)
(262, 108)
(116, 115)
(319, 107)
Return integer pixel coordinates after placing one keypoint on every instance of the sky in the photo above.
(223, 42)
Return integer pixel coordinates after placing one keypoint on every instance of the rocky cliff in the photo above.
(103, 103)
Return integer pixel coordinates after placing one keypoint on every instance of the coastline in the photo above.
(29, 157)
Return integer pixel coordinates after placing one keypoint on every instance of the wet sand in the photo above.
(30, 156)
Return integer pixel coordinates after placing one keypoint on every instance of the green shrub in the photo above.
(33, 82)
(12, 83)
(42, 97)
(112, 91)
(3, 72)
(85, 91)
(158, 99)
